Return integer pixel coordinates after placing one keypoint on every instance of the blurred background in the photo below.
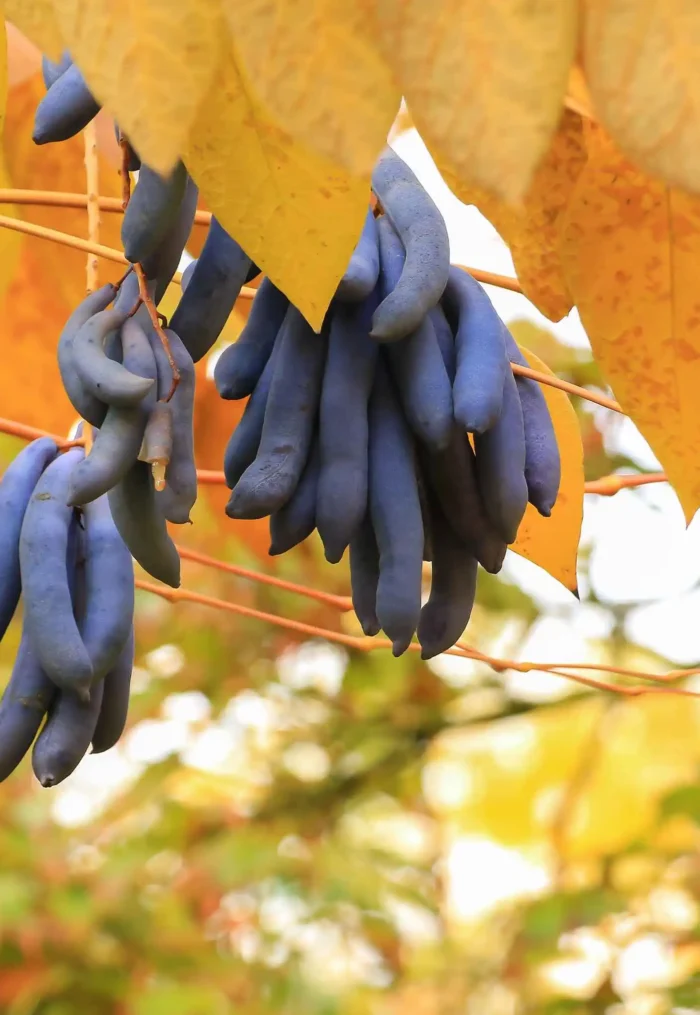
(291, 826)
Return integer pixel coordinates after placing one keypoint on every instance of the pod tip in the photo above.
(399, 646)
(333, 554)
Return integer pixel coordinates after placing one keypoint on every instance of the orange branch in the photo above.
(78, 243)
(527, 667)
(491, 278)
(124, 171)
(211, 477)
(66, 199)
(567, 386)
(28, 433)
(248, 293)
(372, 644)
(65, 239)
(59, 199)
(343, 603)
(608, 486)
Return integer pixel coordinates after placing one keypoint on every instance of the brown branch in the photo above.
(93, 208)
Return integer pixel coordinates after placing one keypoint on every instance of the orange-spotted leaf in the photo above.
(531, 229)
(553, 542)
(642, 68)
(484, 82)
(631, 256)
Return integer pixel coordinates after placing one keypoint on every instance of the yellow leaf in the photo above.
(295, 214)
(37, 20)
(531, 229)
(553, 542)
(317, 67)
(565, 770)
(149, 62)
(631, 258)
(484, 82)
(519, 759)
(641, 63)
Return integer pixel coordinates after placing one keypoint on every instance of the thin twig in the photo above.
(124, 171)
(146, 300)
(78, 243)
(69, 199)
(567, 386)
(65, 199)
(500, 665)
(608, 486)
(373, 644)
(492, 278)
(343, 603)
(93, 209)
